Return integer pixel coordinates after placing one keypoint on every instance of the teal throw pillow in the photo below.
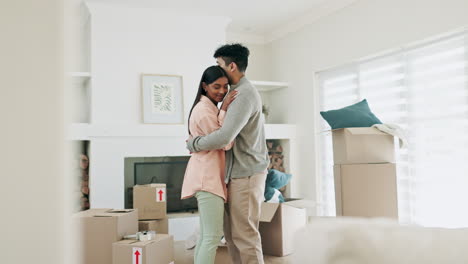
(356, 115)
(277, 179)
(270, 192)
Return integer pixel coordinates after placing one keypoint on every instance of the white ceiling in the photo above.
(252, 17)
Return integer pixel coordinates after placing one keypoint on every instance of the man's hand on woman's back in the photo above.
(228, 99)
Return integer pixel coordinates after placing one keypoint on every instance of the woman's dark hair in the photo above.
(210, 75)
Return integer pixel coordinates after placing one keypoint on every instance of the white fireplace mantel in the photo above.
(84, 131)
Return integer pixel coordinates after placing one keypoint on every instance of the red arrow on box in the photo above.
(160, 195)
(137, 254)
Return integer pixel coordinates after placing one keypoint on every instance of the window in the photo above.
(423, 89)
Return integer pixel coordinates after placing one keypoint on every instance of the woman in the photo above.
(204, 177)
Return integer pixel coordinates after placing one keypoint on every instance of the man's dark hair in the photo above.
(236, 53)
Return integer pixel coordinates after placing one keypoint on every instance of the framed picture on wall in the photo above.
(162, 99)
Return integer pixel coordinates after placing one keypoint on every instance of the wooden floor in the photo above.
(184, 256)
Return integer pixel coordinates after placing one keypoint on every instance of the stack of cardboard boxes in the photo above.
(99, 229)
(365, 173)
(150, 200)
(101, 232)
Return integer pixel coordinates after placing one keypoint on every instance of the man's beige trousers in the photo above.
(241, 219)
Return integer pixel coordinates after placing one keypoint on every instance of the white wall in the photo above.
(259, 59)
(259, 62)
(126, 42)
(362, 29)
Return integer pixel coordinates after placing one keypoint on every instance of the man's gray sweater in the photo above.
(244, 123)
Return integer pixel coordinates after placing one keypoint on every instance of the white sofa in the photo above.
(378, 241)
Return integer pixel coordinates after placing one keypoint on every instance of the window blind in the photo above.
(423, 89)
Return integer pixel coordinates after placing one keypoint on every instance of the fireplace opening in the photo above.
(168, 170)
(171, 170)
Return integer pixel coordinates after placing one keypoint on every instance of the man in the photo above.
(246, 162)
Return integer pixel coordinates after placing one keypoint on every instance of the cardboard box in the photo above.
(150, 200)
(161, 226)
(278, 225)
(366, 190)
(222, 256)
(183, 255)
(362, 145)
(157, 251)
(98, 229)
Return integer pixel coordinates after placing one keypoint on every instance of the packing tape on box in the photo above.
(142, 236)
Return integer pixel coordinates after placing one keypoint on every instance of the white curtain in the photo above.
(423, 89)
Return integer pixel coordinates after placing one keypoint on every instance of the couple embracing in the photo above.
(228, 167)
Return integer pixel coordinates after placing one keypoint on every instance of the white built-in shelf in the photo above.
(80, 78)
(86, 131)
(264, 86)
(89, 131)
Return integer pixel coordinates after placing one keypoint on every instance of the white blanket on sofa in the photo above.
(378, 241)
